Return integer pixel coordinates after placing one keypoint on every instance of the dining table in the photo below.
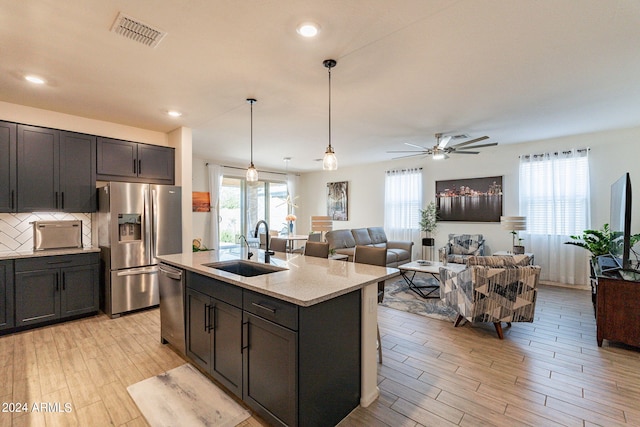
(292, 238)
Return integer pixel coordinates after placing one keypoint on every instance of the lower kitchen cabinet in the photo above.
(6, 295)
(55, 287)
(213, 338)
(293, 365)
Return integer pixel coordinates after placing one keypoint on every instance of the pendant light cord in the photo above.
(252, 133)
(329, 106)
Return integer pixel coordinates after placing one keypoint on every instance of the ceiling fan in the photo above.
(441, 150)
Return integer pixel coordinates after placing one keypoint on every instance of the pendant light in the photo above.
(329, 162)
(252, 172)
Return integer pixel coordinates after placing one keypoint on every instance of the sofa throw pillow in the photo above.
(465, 244)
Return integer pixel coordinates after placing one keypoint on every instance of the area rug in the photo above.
(185, 397)
(397, 295)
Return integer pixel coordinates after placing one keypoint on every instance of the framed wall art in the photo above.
(200, 201)
(338, 200)
(472, 199)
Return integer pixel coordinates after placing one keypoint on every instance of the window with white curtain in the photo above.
(555, 198)
(402, 204)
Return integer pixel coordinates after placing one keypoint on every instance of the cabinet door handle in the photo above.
(264, 307)
(134, 166)
(206, 316)
(244, 336)
(13, 199)
(63, 282)
(57, 282)
(212, 317)
(62, 200)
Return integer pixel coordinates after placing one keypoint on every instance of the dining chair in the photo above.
(278, 244)
(317, 249)
(373, 256)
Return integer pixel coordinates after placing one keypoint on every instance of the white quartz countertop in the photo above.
(49, 252)
(306, 280)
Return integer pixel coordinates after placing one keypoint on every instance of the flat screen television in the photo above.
(620, 221)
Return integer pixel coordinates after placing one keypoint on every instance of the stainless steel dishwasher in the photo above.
(171, 284)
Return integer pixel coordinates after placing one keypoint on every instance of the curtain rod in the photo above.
(259, 170)
(404, 170)
(555, 153)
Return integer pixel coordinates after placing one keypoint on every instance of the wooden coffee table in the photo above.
(409, 271)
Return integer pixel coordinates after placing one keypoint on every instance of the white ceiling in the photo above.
(516, 70)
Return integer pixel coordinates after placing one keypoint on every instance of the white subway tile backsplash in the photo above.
(16, 231)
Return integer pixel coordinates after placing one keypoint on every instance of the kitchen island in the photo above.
(299, 330)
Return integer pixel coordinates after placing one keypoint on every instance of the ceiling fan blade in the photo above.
(410, 151)
(471, 141)
(443, 142)
(490, 144)
(416, 146)
(410, 155)
(464, 152)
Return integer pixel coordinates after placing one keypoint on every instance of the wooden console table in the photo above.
(618, 310)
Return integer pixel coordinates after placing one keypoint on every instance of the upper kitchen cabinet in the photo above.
(55, 170)
(119, 160)
(7, 167)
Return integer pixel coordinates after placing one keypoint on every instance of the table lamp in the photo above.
(513, 223)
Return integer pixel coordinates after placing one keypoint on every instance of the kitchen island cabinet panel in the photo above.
(7, 167)
(6, 295)
(270, 370)
(214, 338)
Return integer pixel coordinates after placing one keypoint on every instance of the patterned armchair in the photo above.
(492, 289)
(461, 246)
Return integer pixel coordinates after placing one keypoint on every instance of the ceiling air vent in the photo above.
(136, 30)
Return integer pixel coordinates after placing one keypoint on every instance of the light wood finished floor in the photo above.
(546, 373)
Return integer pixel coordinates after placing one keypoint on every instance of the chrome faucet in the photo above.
(267, 252)
(249, 253)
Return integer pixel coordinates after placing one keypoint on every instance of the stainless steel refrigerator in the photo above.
(136, 222)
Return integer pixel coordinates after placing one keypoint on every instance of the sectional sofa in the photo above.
(344, 242)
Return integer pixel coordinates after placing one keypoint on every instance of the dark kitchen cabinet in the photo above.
(285, 361)
(270, 369)
(55, 287)
(7, 167)
(6, 295)
(213, 336)
(119, 160)
(55, 170)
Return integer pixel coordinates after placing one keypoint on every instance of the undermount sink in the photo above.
(244, 268)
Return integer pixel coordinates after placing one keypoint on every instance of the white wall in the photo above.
(201, 220)
(612, 153)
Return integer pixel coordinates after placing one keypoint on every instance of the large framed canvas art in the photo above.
(338, 200)
(472, 199)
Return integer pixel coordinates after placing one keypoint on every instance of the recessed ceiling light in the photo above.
(34, 79)
(308, 29)
(174, 113)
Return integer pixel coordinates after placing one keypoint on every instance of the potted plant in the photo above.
(428, 222)
(599, 242)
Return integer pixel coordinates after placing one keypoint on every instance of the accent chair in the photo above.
(492, 289)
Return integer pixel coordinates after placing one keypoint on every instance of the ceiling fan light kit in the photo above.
(329, 161)
(252, 172)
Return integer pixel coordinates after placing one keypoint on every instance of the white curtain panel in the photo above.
(402, 204)
(555, 199)
(215, 183)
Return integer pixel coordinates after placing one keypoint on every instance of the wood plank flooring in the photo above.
(546, 373)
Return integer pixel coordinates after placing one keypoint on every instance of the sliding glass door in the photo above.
(243, 204)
